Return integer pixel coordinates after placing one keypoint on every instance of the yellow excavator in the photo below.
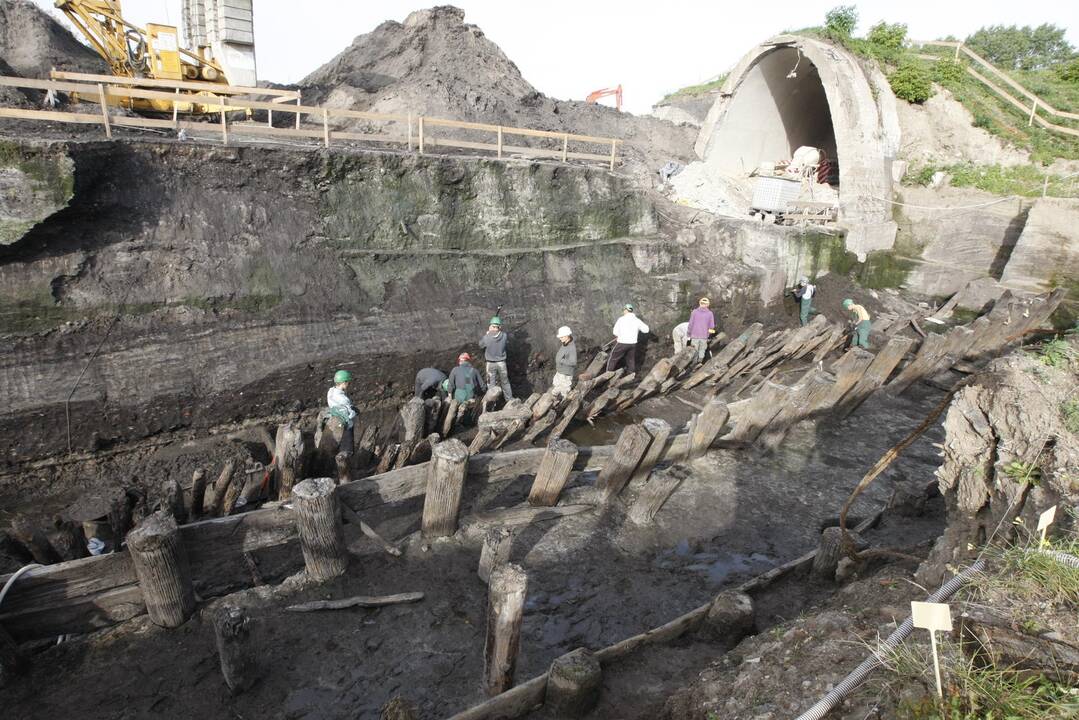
(153, 52)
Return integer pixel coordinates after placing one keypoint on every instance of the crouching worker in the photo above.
(429, 383)
(860, 324)
(565, 363)
(339, 407)
(465, 382)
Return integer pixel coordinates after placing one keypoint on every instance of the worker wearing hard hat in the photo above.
(702, 325)
(804, 295)
(429, 382)
(340, 406)
(464, 382)
(626, 331)
(565, 363)
(860, 324)
(494, 352)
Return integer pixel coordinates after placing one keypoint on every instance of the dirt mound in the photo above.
(9, 96)
(32, 43)
(436, 64)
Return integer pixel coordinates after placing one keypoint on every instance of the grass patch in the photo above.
(694, 90)
(1057, 353)
(1069, 410)
(1024, 180)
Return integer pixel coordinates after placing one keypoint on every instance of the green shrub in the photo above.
(1069, 409)
(886, 40)
(840, 21)
(1069, 71)
(911, 82)
(948, 72)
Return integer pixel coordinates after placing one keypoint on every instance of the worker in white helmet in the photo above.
(565, 363)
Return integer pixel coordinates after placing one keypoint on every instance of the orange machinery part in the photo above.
(597, 94)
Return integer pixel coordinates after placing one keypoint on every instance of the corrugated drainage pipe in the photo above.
(1065, 558)
(14, 577)
(856, 678)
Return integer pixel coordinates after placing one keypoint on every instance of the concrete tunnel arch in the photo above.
(791, 91)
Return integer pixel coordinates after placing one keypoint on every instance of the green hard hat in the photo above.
(847, 303)
(342, 376)
(496, 321)
(445, 385)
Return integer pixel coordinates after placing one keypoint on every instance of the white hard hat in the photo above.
(564, 331)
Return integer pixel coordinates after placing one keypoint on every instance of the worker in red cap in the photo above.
(465, 381)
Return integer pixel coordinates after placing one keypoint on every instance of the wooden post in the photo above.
(707, 426)
(104, 110)
(318, 523)
(298, 105)
(573, 684)
(828, 554)
(224, 122)
(445, 481)
(565, 147)
(1033, 109)
(655, 494)
(614, 146)
(198, 493)
(957, 47)
(173, 501)
(628, 452)
(660, 430)
(505, 611)
(216, 500)
(421, 136)
(289, 452)
(237, 659)
(410, 132)
(497, 543)
(326, 127)
(269, 118)
(161, 567)
(176, 110)
(499, 142)
(554, 470)
(341, 460)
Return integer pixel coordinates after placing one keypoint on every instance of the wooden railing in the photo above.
(223, 100)
(1036, 103)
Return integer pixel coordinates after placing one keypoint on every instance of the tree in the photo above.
(886, 40)
(841, 20)
(1021, 48)
(911, 82)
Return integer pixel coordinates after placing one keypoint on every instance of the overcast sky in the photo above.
(567, 49)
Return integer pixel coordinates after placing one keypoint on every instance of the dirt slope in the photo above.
(32, 43)
(436, 64)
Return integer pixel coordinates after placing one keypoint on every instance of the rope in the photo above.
(944, 207)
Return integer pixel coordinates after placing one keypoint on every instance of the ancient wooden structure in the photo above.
(318, 522)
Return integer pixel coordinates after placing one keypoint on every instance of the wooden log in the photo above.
(756, 413)
(848, 371)
(568, 413)
(878, 372)
(833, 340)
(991, 633)
(655, 494)
(505, 611)
(809, 391)
(341, 460)
(533, 399)
(482, 439)
(573, 684)
(318, 522)
(497, 544)
(289, 460)
(924, 364)
(489, 399)
(706, 427)
(33, 538)
(389, 455)
(173, 500)
(215, 496)
(12, 661)
(398, 708)
(120, 517)
(267, 440)
(445, 481)
(161, 566)
(232, 494)
(525, 515)
(541, 426)
(681, 361)
(546, 401)
(234, 649)
(598, 363)
(365, 601)
(451, 417)
(655, 377)
(198, 493)
(600, 403)
(413, 416)
(553, 472)
(354, 519)
(364, 456)
(660, 430)
(828, 554)
(628, 451)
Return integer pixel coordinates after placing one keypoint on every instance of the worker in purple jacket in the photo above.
(702, 326)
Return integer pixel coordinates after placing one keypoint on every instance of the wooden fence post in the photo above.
(1033, 109)
(614, 146)
(410, 132)
(237, 660)
(445, 481)
(706, 427)
(497, 543)
(554, 470)
(298, 105)
(505, 611)
(269, 118)
(565, 146)
(499, 142)
(288, 458)
(104, 110)
(176, 111)
(318, 522)
(660, 430)
(628, 451)
(326, 127)
(161, 567)
(421, 134)
(573, 684)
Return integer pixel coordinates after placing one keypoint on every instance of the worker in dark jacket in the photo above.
(465, 382)
(494, 352)
(565, 363)
(429, 382)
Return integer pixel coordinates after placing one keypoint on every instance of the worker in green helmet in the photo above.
(494, 352)
(340, 407)
(860, 324)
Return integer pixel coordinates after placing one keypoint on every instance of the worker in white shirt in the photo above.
(340, 407)
(680, 336)
(626, 330)
(804, 295)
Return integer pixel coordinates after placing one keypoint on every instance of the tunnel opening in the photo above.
(779, 106)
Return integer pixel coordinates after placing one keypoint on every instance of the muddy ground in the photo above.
(594, 580)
